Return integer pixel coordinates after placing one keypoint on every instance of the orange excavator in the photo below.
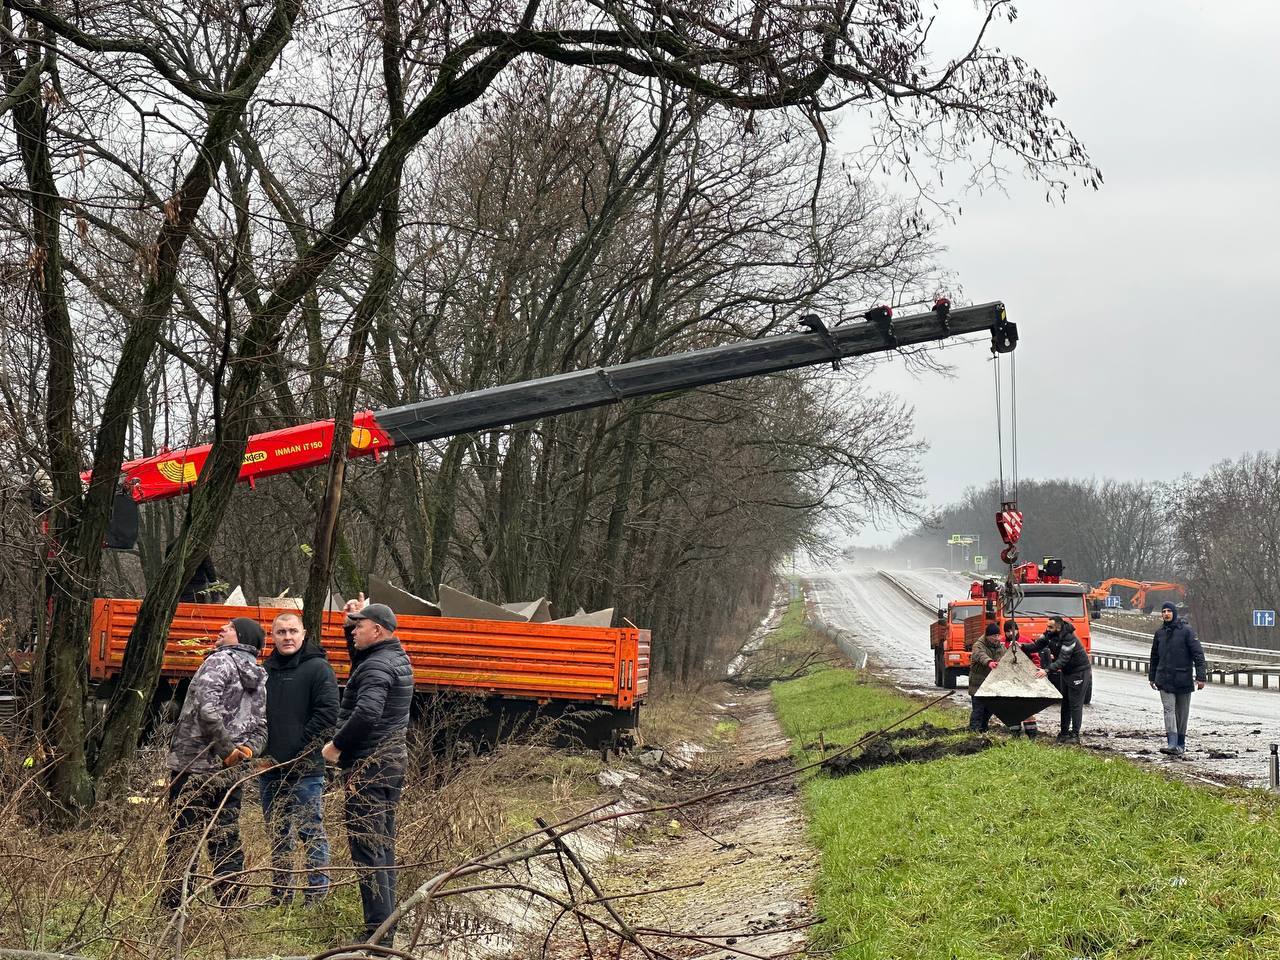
(1141, 588)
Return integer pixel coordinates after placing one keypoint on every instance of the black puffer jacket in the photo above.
(1175, 654)
(1066, 654)
(302, 708)
(374, 714)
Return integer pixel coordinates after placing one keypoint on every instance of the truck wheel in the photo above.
(1088, 689)
(937, 667)
(949, 678)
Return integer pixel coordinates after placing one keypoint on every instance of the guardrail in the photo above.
(907, 592)
(843, 639)
(1223, 649)
(1260, 677)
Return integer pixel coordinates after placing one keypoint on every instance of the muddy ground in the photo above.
(748, 851)
(729, 874)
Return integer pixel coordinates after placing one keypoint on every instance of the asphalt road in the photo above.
(1230, 730)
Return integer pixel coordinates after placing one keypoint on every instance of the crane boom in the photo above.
(373, 432)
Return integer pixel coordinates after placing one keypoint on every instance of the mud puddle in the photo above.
(882, 752)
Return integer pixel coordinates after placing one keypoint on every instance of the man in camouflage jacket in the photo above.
(223, 723)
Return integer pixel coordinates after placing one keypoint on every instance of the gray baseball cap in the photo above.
(379, 613)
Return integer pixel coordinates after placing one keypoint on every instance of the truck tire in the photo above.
(937, 667)
(949, 677)
(1088, 688)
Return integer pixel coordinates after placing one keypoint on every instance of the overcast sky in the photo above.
(1149, 311)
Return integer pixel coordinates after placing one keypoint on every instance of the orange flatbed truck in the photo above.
(519, 669)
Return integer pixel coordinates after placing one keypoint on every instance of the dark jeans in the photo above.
(1073, 703)
(204, 805)
(294, 805)
(979, 716)
(372, 789)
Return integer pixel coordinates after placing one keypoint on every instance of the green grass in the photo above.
(790, 649)
(791, 632)
(1027, 850)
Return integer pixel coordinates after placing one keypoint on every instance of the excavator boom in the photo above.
(293, 448)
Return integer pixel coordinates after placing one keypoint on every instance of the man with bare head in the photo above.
(302, 712)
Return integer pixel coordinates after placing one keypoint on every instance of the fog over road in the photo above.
(895, 632)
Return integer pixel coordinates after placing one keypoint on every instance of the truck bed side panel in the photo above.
(538, 661)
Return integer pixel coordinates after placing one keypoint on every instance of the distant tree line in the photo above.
(1218, 534)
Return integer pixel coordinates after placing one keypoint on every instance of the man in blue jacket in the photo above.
(370, 747)
(302, 713)
(1175, 654)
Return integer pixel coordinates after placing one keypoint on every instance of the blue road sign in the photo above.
(1264, 618)
(1112, 602)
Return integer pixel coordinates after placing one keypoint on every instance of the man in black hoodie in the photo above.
(302, 712)
(371, 749)
(1067, 659)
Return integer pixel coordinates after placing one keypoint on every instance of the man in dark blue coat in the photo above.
(302, 712)
(370, 747)
(1177, 667)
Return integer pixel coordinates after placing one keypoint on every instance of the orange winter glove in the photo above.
(235, 756)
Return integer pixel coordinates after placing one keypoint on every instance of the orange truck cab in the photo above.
(947, 638)
(1034, 604)
(1037, 598)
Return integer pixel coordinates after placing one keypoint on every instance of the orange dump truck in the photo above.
(517, 669)
(947, 638)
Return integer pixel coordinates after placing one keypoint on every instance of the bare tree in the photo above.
(188, 189)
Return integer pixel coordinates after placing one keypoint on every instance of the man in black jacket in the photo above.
(1068, 660)
(302, 712)
(1175, 653)
(371, 749)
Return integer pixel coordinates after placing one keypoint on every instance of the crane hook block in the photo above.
(1004, 335)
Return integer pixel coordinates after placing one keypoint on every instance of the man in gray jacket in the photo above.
(223, 723)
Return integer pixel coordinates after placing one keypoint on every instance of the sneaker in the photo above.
(1170, 751)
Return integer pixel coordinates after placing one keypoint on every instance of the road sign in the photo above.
(979, 563)
(960, 539)
(1264, 618)
(1112, 602)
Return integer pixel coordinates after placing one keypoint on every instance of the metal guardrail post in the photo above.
(1273, 763)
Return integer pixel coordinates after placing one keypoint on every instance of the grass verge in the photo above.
(1025, 850)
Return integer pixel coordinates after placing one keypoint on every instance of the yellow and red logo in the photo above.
(177, 471)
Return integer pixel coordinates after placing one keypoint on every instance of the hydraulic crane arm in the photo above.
(294, 448)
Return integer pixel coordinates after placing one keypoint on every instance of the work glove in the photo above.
(235, 756)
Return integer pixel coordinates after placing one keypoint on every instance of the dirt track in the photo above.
(749, 851)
